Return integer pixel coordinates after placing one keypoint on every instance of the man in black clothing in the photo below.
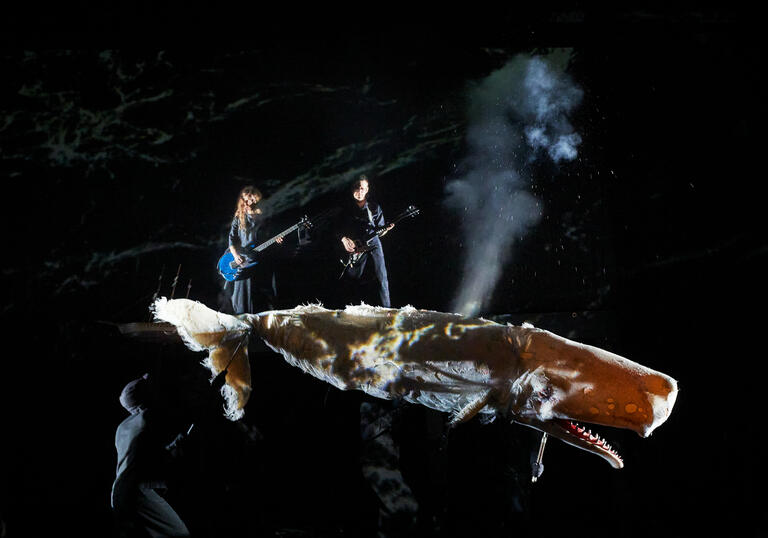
(363, 220)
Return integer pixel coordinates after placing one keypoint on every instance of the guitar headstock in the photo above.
(411, 211)
(305, 222)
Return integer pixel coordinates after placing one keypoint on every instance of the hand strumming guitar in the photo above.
(349, 245)
(236, 255)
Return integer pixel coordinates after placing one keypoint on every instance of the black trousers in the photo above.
(380, 268)
(255, 293)
(152, 517)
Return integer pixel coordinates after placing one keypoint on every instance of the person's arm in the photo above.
(378, 219)
(206, 402)
(344, 230)
(235, 255)
(234, 239)
(129, 441)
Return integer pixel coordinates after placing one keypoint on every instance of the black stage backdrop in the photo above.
(123, 147)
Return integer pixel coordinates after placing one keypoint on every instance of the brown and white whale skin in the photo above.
(463, 366)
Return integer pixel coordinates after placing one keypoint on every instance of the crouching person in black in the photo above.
(147, 442)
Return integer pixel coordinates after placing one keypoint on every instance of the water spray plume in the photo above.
(517, 116)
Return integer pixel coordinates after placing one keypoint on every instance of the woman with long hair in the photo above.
(249, 227)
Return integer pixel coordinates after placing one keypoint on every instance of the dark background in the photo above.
(125, 136)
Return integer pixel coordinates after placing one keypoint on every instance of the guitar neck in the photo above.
(397, 219)
(270, 242)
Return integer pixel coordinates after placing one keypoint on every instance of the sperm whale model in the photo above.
(448, 362)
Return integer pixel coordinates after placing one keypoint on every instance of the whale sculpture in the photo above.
(462, 366)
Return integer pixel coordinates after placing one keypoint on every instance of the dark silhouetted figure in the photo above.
(147, 443)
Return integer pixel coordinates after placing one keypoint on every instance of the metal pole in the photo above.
(157, 291)
(538, 467)
(175, 281)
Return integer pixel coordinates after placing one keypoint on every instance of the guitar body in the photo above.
(361, 247)
(231, 271)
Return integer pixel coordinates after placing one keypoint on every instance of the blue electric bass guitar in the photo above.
(231, 270)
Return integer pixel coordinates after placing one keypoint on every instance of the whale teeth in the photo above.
(592, 438)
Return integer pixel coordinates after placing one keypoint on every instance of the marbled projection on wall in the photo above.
(588, 172)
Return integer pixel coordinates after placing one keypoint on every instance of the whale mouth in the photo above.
(582, 437)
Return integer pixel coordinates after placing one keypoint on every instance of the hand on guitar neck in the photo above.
(389, 227)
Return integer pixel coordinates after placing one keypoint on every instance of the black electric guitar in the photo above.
(361, 247)
(231, 270)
